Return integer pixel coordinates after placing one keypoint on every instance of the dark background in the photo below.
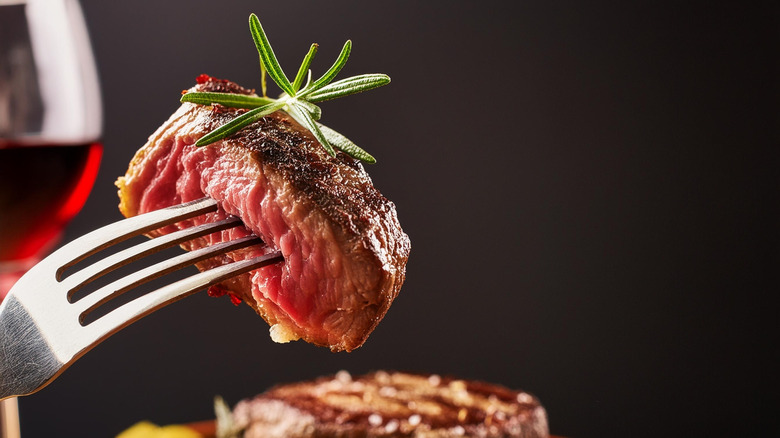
(589, 188)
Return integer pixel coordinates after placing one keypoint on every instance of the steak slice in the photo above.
(344, 251)
(391, 404)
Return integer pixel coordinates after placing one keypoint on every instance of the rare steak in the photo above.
(344, 251)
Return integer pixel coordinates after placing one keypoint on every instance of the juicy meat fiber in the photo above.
(345, 253)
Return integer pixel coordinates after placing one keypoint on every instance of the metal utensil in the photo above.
(43, 329)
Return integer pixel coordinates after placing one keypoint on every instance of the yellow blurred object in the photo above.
(146, 429)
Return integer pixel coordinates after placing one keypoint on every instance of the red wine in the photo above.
(41, 188)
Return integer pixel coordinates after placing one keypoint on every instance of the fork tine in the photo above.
(118, 287)
(80, 278)
(29, 361)
(142, 306)
(122, 230)
(42, 334)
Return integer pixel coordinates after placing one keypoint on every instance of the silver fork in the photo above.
(43, 329)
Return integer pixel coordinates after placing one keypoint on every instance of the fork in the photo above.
(43, 328)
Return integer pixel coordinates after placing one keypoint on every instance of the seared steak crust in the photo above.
(345, 252)
(339, 186)
(391, 404)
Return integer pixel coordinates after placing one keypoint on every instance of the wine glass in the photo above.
(50, 129)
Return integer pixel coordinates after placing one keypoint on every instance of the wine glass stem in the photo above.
(9, 418)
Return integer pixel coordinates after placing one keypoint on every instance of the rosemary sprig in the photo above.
(298, 98)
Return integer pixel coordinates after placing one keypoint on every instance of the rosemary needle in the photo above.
(298, 98)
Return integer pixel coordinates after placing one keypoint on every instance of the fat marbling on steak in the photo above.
(344, 251)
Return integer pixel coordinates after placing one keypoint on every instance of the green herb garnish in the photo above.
(298, 98)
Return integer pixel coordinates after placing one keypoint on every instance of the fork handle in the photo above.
(9, 418)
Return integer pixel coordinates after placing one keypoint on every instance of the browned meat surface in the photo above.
(345, 252)
(391, 404)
